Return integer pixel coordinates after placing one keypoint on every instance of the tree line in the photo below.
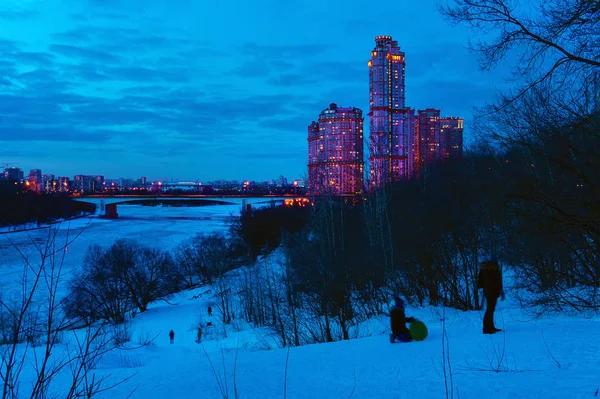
(21, 207)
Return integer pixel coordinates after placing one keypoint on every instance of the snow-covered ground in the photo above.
(554, 356)
(548, 357)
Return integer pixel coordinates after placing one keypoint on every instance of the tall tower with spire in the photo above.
(391, 122)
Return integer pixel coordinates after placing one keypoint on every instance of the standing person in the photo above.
(209, 311)
(490, 280)
(199, 336)
(398, 322)
(172, 336)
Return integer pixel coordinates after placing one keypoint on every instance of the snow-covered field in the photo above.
(553, 356)
(549, 357)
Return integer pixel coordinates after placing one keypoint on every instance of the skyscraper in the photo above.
(427, 143)
(391, 131)
(335, 152)
(451, 137)
(437, 137)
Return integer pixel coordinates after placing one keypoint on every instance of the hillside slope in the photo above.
(551, 357)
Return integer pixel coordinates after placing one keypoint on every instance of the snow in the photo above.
(551, 356)
(162, 226)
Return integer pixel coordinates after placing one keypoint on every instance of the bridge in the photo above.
(108, 204)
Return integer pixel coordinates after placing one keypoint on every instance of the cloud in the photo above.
(278, 52)
(9, 46)
(252, 69)
(31, 58)
(296, 124)
(349, 72)
(292, 79)
(18, 15)
(142, 74)
(83, 53)
(51, 133)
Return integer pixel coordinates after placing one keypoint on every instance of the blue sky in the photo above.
(206, 89)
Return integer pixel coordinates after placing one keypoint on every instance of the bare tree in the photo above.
(116, 279)
(99, 291)
(39, 348)
(555, 40)
(151, 277)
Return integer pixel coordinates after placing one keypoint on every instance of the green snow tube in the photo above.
(418, 330)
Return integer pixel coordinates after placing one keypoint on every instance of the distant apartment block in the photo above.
(335, 152)
(14, 174)
(87, 183)
(427, 141)
(64, 184)
(451, 137)
(35, 180)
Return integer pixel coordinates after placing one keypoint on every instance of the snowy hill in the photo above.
(555, 356)
(550, 357)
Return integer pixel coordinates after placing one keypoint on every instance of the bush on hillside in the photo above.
(116, 279)
(205, 257)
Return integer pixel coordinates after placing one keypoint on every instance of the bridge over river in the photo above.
(107, 205)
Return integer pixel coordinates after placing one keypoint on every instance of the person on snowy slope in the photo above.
(398, 322)
(490, 280)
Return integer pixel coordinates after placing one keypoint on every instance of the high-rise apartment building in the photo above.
(13, 174)
(35, 179)
(87, 183)
(335, 152)
(437, 137)
(391, 131)
(64, 184)
(400, 141)
(451, 137)
(427, 142)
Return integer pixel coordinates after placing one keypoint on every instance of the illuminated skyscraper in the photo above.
(391, 132)
(427, 143)
(335, 152)
(400, 141)
(35, 179)
(437, 138)
(451, 137)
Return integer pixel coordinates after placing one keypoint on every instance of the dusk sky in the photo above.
(207, 89)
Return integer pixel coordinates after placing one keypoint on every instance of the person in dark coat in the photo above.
(209, 311)
(398, 322)
(172, 336)
(490, 280)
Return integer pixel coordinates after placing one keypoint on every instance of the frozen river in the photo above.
(163, 227)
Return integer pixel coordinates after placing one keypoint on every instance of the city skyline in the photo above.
(402, 143)
(95, 89)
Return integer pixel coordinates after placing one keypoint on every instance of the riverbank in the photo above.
(35, 226)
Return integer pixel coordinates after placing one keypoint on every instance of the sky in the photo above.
(206, 90)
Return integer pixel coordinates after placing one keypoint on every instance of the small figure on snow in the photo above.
(209, 311)
(490, 280)
(199, 335)
(398, 322)
(172, 336)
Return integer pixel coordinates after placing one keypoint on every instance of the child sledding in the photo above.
(398, 320)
